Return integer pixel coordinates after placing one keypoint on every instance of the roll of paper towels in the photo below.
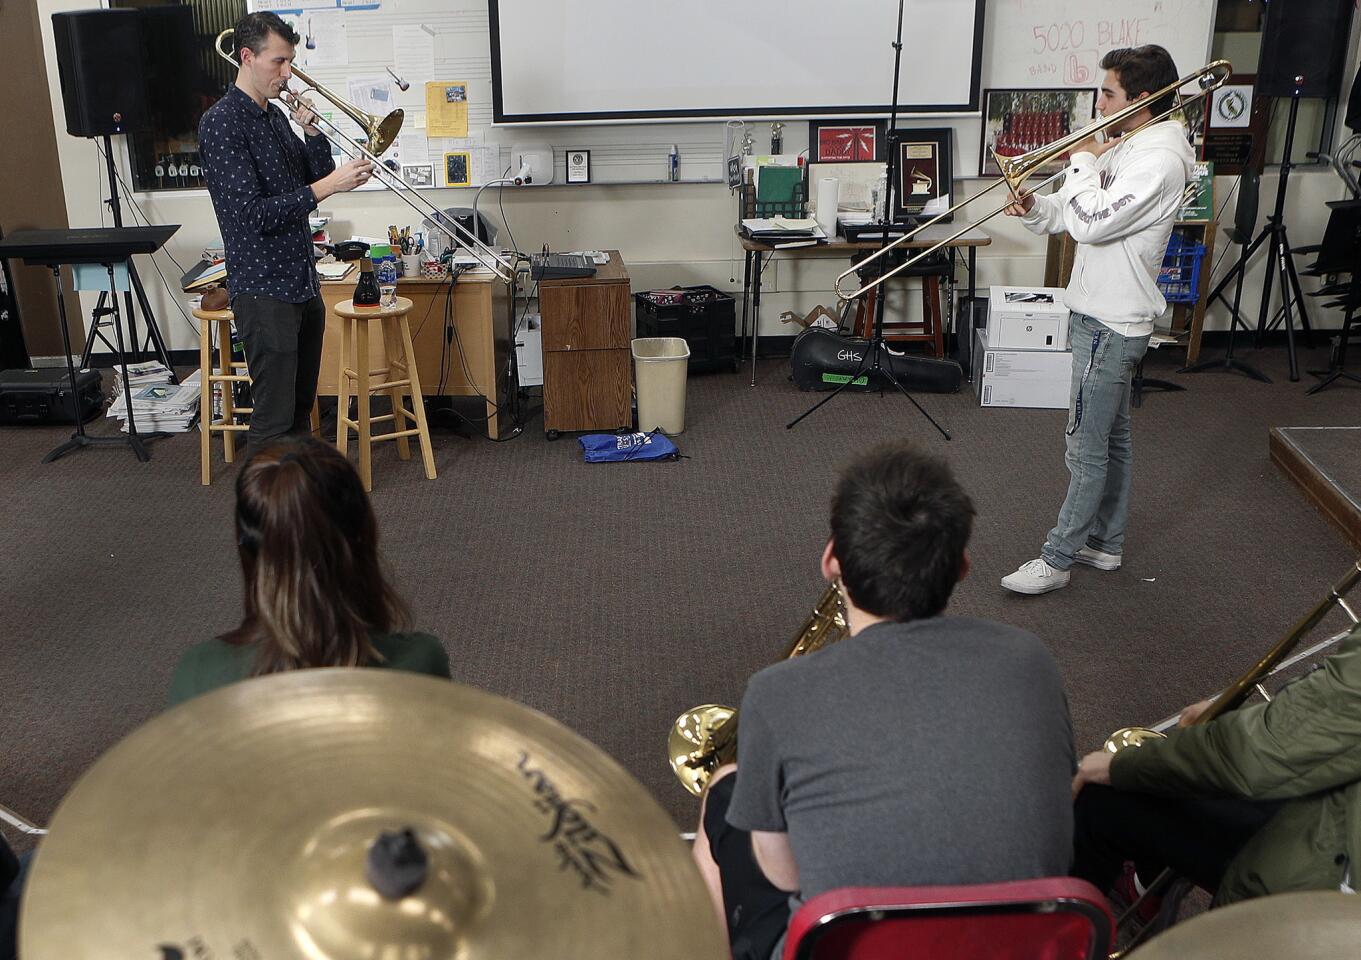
(825, 205)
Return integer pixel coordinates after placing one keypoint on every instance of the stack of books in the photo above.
(157, 404)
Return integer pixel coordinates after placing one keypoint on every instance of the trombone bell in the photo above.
(1127, 737)
(382, 132)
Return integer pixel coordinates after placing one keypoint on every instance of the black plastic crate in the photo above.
(700, 315)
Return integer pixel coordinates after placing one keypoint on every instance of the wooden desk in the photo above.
(481, 315)
(757, 252)
(1188, 319)
(587, 368)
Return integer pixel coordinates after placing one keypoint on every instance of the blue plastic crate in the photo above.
(1179, 277)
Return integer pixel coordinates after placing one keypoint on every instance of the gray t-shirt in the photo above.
(937, 751)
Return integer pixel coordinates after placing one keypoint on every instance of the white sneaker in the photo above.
(1100, 559)
(1036, 576)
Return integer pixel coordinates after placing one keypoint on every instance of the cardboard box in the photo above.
(1027, 318)
(1021, 378)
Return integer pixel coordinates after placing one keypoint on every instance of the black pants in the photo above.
(757, 910)
(283, 354)
(1195, 837)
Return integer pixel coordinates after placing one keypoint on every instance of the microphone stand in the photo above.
(874, 350)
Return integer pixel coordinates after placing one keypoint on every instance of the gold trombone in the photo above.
(704, 738)
(379, 132)
(1016, 170)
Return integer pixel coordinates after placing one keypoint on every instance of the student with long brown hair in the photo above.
(315, 591)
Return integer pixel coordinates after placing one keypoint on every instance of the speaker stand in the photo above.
(1281, 258)
(874, 350)
(138, 350)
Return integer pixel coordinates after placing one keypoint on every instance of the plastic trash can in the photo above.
(659, 368)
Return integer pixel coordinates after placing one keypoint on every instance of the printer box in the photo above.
(1021, 378)
(1027, 318)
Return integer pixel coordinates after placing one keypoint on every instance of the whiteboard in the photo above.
(621, 60)
(1060, 43)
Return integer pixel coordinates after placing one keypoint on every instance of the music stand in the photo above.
(105, 246)
(874, 350)
(1340, 252)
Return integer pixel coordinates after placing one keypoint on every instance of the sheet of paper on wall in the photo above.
(486, 163)
(446, 108)
(413, 59)
(323, 40)
(412, 148)
(276, 5)
(373, 94)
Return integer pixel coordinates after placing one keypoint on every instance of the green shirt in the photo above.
(213, 663)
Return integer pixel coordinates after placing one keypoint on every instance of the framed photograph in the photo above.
(578, 166)
(925, 172)
(456, 168)
(419, 174)
(1018, 121)
(845, 141)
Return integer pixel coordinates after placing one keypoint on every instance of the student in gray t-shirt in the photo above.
(924, 749)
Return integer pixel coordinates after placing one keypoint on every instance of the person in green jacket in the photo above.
(1265, 799)
(316, 593)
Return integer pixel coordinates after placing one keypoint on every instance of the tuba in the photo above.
(704, 738)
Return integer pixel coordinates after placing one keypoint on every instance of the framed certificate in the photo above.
(578, 166)
(925, 172)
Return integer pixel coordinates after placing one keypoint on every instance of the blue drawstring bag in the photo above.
(613, 448)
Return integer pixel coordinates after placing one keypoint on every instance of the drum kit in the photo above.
(346, 814)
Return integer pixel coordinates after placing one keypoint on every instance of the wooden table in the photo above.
(757, 252)
(461, 337)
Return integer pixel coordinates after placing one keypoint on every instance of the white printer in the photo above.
(1027, 318)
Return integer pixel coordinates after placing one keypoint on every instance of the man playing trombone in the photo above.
(1118, 201)
(264, 181)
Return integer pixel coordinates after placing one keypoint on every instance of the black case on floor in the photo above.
(701, 315)
(43, 396)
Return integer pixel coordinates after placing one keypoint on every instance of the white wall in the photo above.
(667, 233)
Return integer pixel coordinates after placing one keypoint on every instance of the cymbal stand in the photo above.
(871, 364)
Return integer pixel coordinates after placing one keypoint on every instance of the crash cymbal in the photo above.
(241, 826)
(1317, 925)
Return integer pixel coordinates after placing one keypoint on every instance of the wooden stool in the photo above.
(225, 373)
(399, 377)
(929, 329)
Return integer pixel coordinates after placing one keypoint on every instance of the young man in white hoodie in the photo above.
(1118, 201)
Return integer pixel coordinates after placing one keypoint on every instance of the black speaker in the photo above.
(1303, 38)
(99, 59)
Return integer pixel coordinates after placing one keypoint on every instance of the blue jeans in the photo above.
(1100, 451)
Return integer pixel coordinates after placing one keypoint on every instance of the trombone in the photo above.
(1015, 170)
(379, 133)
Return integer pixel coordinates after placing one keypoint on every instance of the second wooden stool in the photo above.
(398, 378)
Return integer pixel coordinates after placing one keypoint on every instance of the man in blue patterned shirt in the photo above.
(264, 181)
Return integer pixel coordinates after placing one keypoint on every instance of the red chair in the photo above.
(1056, 918)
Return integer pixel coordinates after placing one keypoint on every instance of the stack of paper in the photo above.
(157, 404)
(781, 231)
